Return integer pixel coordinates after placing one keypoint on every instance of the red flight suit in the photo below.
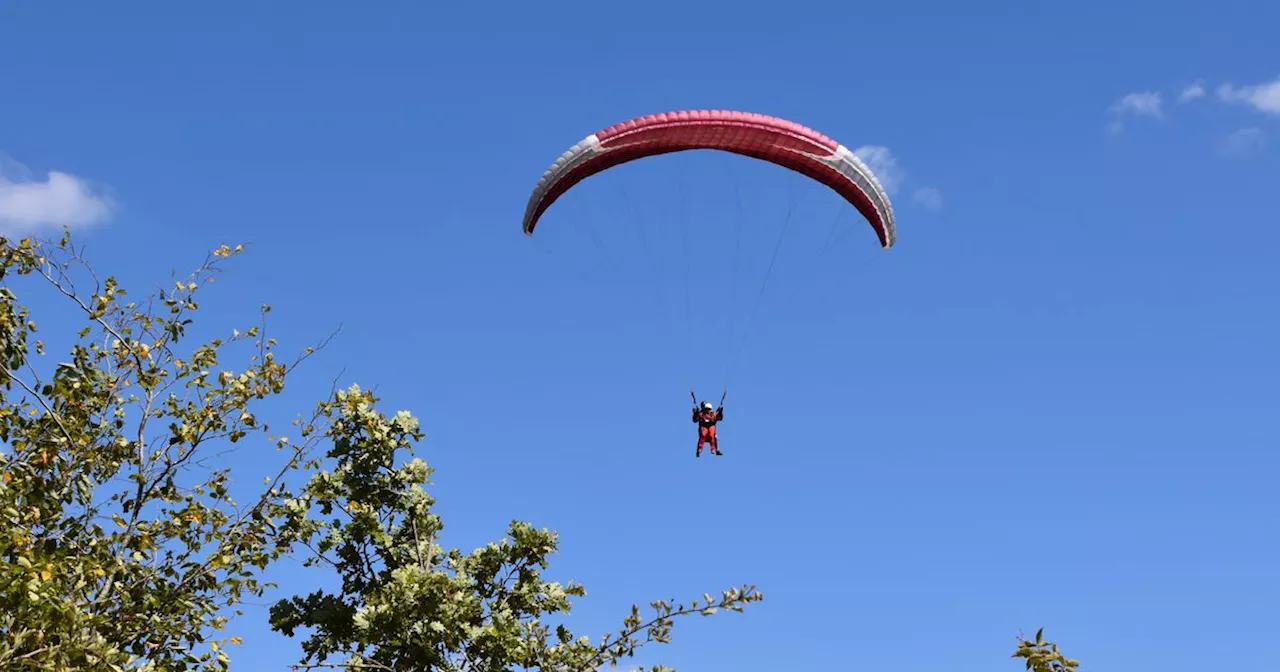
(707, 428)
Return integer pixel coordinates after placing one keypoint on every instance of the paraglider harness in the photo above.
(707, 420)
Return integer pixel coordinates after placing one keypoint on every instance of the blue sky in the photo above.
(1052, 404)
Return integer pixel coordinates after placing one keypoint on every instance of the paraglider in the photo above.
(777, 141)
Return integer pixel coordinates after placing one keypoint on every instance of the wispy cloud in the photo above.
(1242, 143)
(1138, 104)
(929, 198)
(882, 162)
(1144, 103)
(1263, 97)
(27, 206)
(1196, 90)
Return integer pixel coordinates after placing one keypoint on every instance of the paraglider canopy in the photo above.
(778, 141)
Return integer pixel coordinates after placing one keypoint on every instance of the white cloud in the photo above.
(1242, 143)
(1139, 104)
(929, 198)
(882, 162)
(1196, 90)
(1262, 97)
(1143, 103)
(28, 205)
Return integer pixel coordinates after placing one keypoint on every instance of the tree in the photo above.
(121, 546)
(1043, 656)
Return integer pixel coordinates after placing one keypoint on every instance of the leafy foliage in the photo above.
(1043, 656)
(121, 546)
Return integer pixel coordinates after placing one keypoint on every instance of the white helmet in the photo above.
(706, 405)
